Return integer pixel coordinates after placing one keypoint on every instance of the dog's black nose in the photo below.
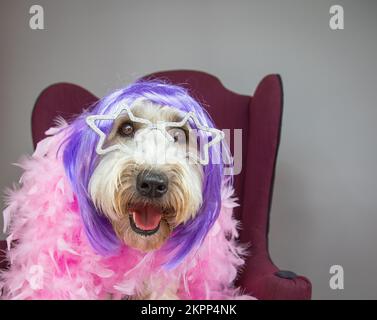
(152, 184)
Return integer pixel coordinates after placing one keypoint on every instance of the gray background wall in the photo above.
(324, 207)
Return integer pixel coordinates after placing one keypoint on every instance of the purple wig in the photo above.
(80, 160)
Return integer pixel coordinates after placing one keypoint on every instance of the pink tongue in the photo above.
(146, 218)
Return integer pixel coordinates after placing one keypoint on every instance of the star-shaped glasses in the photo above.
(214, 135)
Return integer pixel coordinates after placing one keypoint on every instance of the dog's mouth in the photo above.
(145, 219)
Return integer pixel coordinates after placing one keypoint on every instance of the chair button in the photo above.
(285, 274)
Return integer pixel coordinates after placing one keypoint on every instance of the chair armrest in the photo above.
(273, 287)
(281, 285)
(262, 279)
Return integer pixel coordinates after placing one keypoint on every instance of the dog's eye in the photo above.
(178, 134)
(126, 129)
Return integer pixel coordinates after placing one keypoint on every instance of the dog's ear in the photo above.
(61, 99)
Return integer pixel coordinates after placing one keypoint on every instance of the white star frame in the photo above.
(217, 135)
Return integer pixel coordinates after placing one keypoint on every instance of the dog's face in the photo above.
(151, 188)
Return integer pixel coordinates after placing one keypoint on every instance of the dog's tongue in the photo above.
(146, 217)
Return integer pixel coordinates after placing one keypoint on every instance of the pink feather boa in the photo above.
(52, 259)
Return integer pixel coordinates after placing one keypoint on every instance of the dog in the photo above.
(127, 201)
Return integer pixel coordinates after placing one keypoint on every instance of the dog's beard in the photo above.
(138, 221)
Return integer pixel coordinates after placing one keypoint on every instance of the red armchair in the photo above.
(259, 116)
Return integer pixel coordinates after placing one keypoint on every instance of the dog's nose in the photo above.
(152, 184)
